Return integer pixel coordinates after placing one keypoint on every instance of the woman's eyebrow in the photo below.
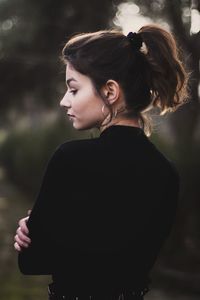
(70, 79)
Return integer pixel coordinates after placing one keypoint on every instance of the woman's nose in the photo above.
(64, 102)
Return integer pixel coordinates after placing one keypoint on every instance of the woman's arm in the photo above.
(38, 257)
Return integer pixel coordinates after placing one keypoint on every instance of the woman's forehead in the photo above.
(74, 76)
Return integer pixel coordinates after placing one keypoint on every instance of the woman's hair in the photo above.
(150, 76)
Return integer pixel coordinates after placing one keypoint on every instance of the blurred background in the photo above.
(32, 82)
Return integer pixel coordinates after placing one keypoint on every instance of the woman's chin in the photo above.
(79, 126)
(83, 126)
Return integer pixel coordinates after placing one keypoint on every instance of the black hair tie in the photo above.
(135, 40)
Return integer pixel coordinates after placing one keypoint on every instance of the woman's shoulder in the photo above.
(76, 148)
(161, 162)
(73, 145)
(71, 150)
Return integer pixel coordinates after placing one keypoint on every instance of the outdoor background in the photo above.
(32, 82)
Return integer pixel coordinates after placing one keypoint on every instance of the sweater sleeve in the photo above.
(38, 257)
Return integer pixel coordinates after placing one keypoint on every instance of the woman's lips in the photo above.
(71, 116)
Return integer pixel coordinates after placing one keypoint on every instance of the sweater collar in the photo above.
(121, 130)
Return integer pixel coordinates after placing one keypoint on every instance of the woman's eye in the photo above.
(73, 92)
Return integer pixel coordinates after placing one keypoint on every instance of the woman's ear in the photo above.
(111, 90)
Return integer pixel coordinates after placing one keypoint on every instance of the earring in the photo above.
(103, 110)
(115, 113)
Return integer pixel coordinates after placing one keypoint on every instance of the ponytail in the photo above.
(166, 74)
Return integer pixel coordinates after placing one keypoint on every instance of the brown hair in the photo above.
(154, 77)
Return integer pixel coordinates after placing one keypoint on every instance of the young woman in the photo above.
(107, 204)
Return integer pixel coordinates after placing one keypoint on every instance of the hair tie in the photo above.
(135, 40)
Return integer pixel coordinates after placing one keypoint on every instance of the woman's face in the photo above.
(82, 105)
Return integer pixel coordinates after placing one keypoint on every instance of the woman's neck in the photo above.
(123, 122)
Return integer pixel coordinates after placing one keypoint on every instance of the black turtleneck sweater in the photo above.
(105, 207)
